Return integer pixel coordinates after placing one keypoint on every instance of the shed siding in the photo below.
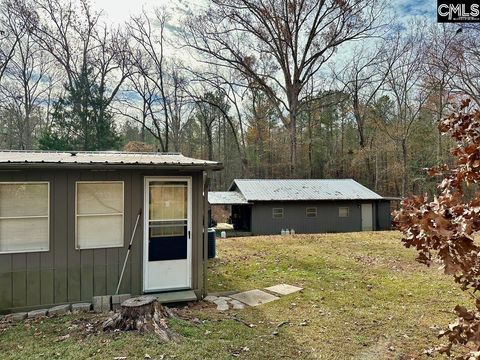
(327, 219)
(65, 274)
(384, 217)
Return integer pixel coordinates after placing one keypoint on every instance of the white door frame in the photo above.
(146, 218)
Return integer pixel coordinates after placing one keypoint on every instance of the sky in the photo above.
(118, 11)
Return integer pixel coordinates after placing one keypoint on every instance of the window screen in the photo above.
(99, 215)
(311, 212)
(277, 213)
(168, 220)
(24, 217)
(343, 211)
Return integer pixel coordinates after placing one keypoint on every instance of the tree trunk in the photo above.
(208, 132)
(404, 170)
(143, 314)
(293, 143)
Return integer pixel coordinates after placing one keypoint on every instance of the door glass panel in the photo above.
(167, 220)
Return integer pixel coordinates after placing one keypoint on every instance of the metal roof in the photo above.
(226, 198)
(18, 158)
(301, 189)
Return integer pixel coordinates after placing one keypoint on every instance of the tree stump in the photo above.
(143, 314)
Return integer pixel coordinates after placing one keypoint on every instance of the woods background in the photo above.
(273, 89)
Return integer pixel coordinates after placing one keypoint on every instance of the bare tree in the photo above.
(136, 102)
(8, 41)
(460, 59)
(150, 62)
(232, 89)
(403, 85)
(439, 76)
(141, 102)
(279, 45)
(87, 51)
(362, 79)
(29, 79)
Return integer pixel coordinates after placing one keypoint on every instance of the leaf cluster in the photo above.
(443, 228)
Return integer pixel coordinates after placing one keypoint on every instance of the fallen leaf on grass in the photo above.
(63, 337)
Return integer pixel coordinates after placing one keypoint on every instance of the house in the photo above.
(66, 220)
(308, 206)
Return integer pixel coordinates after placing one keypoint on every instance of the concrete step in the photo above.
(175, 296)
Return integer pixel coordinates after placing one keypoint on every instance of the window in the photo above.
(99, 214)
(24, 217)
(277, 213)
(343, 211)
(311, 212)
(168, 208)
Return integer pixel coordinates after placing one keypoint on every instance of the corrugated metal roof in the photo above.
(301, 189)
(226, 198)
(8, 157)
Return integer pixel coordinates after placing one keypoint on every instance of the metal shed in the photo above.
(266, 206)
(66, 219)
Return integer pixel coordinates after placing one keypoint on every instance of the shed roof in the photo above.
(301, 189)
(111, 159)
(226, 198)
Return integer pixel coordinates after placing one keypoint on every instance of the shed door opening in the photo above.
(167, 248)
(367, 217)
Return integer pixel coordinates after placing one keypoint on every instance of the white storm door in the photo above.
(167, 234)
(367, 217)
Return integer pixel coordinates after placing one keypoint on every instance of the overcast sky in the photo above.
(118, 11)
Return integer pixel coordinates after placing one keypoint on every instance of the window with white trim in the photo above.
(24, 217)
(277, 213)
(343, 211)
(99, 214)
(311, 212)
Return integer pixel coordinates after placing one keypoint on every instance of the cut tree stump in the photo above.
(143, 314)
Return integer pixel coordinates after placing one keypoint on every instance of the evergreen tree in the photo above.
(81, 120)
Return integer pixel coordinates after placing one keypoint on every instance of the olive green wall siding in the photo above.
(66, 275)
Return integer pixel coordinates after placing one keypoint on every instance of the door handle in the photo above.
(189, 234)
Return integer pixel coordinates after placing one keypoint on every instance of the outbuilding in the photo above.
(267, 206)
(66, 220)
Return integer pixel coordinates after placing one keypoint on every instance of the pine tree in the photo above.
(81, 119)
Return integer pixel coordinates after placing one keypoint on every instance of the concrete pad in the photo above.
(223, 298)
(210, 298)
(81, 307)
(176, 296)
(237, 305)
(222, 305)
(283, 289)
(59, 310)
(254, 297)
(223, 293)
(37, 313)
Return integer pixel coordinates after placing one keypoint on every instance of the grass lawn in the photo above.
(364, 298)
